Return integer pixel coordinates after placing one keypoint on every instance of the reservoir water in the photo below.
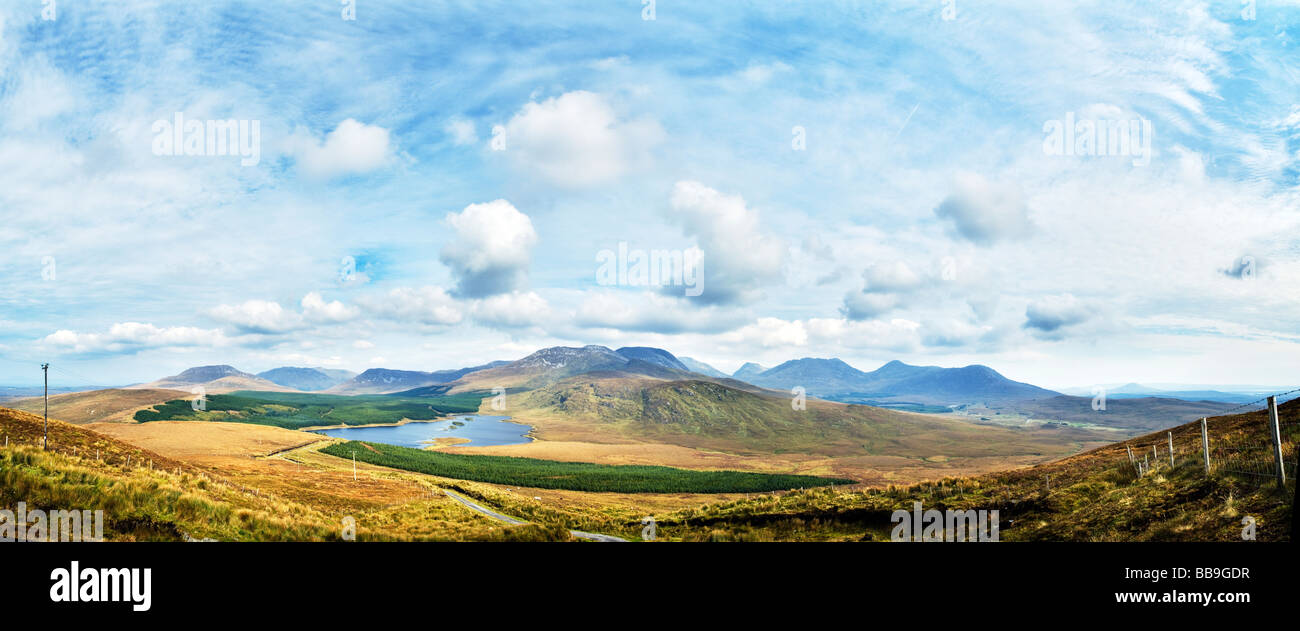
(481, 430)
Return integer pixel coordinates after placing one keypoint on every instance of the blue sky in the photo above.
(435, 184)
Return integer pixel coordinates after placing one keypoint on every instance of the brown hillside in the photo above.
(110, 405)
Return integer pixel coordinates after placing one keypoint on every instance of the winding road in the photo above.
(591, 536)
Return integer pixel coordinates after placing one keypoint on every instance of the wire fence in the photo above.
(1255, 441)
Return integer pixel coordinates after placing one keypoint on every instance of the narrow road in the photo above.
(517, 522)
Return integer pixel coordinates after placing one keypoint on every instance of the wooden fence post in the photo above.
(1171, 450)
(1205, 445)
(1155, 455)
(1277, 441)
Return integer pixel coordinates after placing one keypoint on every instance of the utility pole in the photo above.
(45, 442)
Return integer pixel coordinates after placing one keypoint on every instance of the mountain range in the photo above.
(626, 374)
(215, 379)
(307, 379)
(893, 382)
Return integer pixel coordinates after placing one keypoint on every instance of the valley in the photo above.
(612, 435)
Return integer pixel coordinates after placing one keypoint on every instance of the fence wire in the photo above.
(1236, 446)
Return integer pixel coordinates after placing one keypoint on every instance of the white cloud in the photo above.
(577, 140)
(833, 334)
(890, 277)
(895, 334)
(257, 316)
(650, 312)
(491, 249)
(985, 212)
(883, 287)
(769, 333)
(132, 337)
(512, 310)
(423, 305)
(864, 306)
(757, 73)
(352, 147)
(950, 332)
(739, 256)
(1048, 317)
(461, 131)
(315, 308)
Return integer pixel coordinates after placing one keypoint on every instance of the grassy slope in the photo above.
(1094, 496)
(1140, 415)
(146, 496)
(704, 414)
(111, 404)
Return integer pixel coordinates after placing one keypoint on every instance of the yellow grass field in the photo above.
(286, 464)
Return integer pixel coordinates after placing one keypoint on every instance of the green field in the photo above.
(296, 410)
(573, 476)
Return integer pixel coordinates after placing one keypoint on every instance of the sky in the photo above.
(428, 185)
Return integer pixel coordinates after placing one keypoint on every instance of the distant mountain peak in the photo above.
(653, 355)
(695, 365)
(561, 356)
(203, 374)
(306, 379)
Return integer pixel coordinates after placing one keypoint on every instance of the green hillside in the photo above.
(575, 476)
(293, 410)
(708, 414)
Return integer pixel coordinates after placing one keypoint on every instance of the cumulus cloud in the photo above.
(896, 334)
(864, 306)
(651, 313)
(883, 287)
(511, 311)
(890, 277)
(1245, 267)
(577, 140)
(130, 337)
(422, 305)
(266, 317)
(491, 249)
(739, 257)
(951, 333)
(985, 212)
(315, 308)
(352, 147)
(1050, 316)
(258, 316)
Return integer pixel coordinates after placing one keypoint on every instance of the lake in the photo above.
(481, 430)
